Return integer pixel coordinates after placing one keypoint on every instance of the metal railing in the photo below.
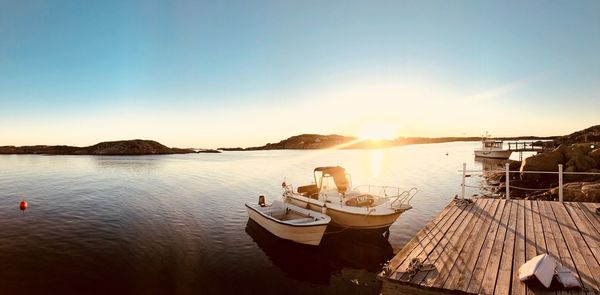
(387, 192)
(560, 173)
(404, 197)
(378, 189)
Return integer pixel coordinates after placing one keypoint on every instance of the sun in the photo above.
(377, 132)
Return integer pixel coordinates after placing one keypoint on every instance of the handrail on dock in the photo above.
(507, 170)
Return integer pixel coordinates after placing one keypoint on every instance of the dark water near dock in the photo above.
(177, 223)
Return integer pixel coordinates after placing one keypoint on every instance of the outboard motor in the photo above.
(261, 201)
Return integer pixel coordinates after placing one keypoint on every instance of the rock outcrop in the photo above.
(591, 134)
(578, 192)
(595, 154)
(577, 152)
(574, 158)
(542, 162)
(306, 141)
(118, 148)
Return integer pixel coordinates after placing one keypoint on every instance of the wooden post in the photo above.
(462, 195)
(560, 183)
(507, 181)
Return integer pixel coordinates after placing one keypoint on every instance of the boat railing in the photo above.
(379, 190)
(399, 195)
(405, 197)
(560, 173)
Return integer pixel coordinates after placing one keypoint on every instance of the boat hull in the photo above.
(344, 219)
(359, 221)
(304, 234)
(504, 154)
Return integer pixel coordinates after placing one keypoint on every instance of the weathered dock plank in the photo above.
(395, 262)
(586, 229)
(580, 253)
(450, 255)
(486, 249)
(471, 253)
(540, 244)
(426, 245)
(491, 271)
(434, 254)
(461, 271)
(506, 263)
(591, 215)
(519, 254)
(479, 248)
(565, 254)
(552, 247)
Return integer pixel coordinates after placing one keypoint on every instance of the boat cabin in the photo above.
(491, 144)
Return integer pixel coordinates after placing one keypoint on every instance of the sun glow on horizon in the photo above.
(377, 132)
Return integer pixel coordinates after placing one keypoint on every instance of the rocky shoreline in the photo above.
(108, 148)
(577, 152)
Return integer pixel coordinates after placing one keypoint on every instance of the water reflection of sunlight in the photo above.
(284, 164)
(376, 162)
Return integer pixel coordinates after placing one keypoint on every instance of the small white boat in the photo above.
(289, 222)
(367, 207)
(491, 148)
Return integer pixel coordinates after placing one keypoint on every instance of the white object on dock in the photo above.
(542, 267)
(566, 278)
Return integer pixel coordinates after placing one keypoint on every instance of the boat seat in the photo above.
(301, 220)
(271, 211)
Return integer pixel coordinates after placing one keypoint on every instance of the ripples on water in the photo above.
(177, 223)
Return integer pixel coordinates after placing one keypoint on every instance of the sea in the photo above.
(177, 224)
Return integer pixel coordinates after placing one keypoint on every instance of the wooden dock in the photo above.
(478, 248)
(531, 146)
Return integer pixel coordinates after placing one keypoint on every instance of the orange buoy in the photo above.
(23, 205)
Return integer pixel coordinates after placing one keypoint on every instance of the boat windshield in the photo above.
(329, 178)
(492, 144)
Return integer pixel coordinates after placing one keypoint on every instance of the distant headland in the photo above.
(318, 141)
(107, 148)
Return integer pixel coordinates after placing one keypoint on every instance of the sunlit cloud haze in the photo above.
(196, 74)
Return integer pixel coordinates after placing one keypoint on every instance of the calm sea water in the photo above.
(177, 223)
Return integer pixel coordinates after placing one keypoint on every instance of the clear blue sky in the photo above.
(241, 73)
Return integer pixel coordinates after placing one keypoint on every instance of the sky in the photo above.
(243, 73)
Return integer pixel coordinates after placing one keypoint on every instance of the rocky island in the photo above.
(112, 148)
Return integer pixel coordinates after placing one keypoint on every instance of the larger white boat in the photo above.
(364, 207)
(491, 148)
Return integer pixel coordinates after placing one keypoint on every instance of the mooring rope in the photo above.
(416, 266)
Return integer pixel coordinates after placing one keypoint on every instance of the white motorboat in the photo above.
(491, 148)
(364, 207)
(289, 222)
